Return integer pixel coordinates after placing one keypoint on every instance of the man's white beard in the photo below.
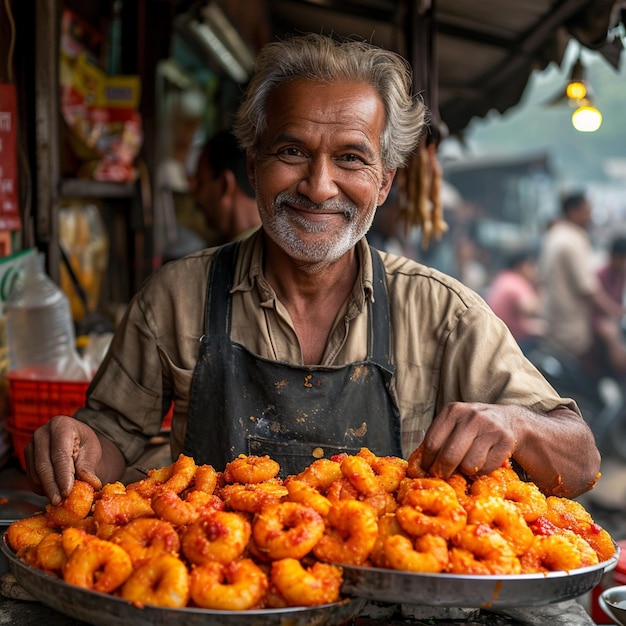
(280, 225)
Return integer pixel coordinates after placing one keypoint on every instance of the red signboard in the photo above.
(9, 208)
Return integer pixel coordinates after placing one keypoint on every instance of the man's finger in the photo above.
(40, 470)
(89, 477)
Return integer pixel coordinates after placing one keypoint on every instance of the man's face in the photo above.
(584, 214)
(318, 172)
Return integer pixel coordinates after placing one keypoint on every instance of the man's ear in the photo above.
(228, 183)
(388, 177)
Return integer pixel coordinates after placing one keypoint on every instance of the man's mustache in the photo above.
(298, 201)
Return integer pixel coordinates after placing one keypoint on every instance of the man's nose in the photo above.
(318, 181)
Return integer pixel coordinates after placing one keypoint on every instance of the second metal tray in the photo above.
(470, 591)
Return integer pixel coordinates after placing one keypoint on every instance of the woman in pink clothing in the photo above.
(514, 298)
(609, 352)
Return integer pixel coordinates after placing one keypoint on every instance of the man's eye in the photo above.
(289, 152)
(351, 158)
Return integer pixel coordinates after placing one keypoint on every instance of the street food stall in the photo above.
(66, 563)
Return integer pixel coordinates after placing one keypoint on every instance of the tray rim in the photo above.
(605, 566)
(472, 591)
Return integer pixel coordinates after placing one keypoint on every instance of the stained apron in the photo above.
(242, 403)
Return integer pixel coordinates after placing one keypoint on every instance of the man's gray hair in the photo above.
(324, 59)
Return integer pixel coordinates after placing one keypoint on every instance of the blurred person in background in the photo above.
(515, 299)
(570, 286)
(224, 204)
(610, 349)
(612, 275)
(471, 270)
(223, 192)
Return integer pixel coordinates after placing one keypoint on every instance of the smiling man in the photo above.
(302, 341)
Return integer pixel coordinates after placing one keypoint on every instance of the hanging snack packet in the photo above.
(103, 124)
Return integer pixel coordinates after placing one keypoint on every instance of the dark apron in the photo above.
(245, 404)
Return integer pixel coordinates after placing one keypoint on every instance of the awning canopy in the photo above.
(469, 57)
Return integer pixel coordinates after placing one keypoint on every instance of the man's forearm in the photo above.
(558, 453)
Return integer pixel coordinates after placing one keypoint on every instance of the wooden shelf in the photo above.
(85, 188)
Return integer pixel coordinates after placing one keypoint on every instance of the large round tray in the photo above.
(467, 591)
(105, 610)
(15, 505)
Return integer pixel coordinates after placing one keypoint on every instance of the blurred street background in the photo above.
(502, 185)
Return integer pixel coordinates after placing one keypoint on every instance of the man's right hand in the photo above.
(59, 452)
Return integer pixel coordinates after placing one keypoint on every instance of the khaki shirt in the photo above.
(447, 345)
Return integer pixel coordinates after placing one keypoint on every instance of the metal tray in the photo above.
(470, 591)
(16, 505)
(102, 609)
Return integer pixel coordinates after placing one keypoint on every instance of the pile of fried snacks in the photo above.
(190, 536)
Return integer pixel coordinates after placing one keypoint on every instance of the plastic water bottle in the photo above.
(40, 330)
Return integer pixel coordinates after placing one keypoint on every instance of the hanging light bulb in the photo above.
(576, 90)
(586, 118)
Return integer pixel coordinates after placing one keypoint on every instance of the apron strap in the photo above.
(217, 319)
(380, 331)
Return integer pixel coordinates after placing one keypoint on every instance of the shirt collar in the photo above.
(251, 254)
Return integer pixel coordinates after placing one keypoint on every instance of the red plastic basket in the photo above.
(20, 439)
(34, 402)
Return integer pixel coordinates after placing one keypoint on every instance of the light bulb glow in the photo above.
(576, 90)
(586, 119)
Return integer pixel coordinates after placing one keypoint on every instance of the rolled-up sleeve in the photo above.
(125, 401)
(151, 359)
